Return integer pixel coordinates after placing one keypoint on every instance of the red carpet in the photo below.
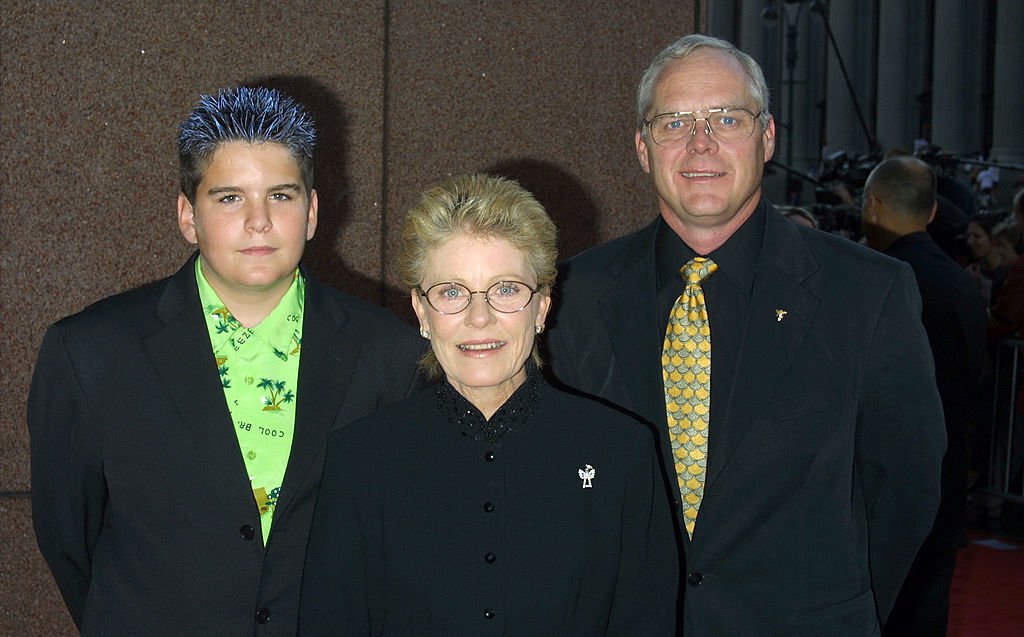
(987, 597)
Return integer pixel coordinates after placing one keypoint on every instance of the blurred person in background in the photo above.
(899, 203)
(988, 262)
(799, 215)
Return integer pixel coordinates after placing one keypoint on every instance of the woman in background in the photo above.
(988, 262)
(1006, 242)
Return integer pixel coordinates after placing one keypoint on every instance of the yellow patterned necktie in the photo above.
(686, 368)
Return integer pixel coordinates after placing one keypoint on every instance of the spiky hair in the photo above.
(249, 114)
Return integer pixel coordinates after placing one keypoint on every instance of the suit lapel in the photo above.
(326, 366)
(769, 344)
(182, 355)
(629, 311)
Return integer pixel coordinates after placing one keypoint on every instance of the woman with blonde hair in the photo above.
(491, 503)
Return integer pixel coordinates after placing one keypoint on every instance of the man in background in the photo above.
(899, 203)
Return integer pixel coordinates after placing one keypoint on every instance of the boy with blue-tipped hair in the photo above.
(177, 430)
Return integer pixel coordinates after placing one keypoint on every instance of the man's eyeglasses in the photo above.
(724, 124)
(507, 297)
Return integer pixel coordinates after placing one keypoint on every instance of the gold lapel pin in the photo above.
(779, 315)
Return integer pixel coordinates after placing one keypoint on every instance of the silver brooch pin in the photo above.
(779, 315)
(587, 475)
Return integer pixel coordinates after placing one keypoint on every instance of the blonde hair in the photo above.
(486, 206)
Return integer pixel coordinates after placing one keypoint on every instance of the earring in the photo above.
(540, 328)
(424, 333)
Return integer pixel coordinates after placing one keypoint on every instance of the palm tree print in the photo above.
(225, 321)
(278, 396)
(295, 350)
(222, 369)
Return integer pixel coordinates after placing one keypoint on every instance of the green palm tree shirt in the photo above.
(259, 371)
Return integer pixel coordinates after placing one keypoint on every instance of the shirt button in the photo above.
(488, 613)
(263, 616)
(490, 557)
(490, 456)
(488, 506)
(247, 532)
(694, 579)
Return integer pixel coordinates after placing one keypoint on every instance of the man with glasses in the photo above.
(785, 370)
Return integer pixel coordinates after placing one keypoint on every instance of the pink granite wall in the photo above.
(406, 94)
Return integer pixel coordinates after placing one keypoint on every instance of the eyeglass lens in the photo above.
(503, 296)
(727, 125)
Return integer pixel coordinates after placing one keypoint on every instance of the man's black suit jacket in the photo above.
(953, 313)
(141, 502)
(823, 475)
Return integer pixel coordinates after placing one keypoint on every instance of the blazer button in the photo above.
(488, 506)
(490, 557)
(694, 579)
(247, 532)
(488, 613)
(263, 616)
(490, 456)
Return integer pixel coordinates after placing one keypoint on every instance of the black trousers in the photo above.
(922, 607)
